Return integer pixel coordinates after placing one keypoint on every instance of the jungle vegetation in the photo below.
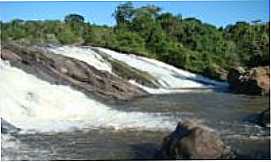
(186, 43)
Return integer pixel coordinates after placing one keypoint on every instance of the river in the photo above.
(58, 122)
(227, 113)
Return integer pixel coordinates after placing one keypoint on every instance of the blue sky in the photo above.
(219, 13)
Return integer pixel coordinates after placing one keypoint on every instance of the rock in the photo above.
(128, 72)
(9, 55)
(260, 76)
(215, 71)
(193, 141)
(58, 69)
(253, 82)
(234, 77)
(6, 127)
(264, 118)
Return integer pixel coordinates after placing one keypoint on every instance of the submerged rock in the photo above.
(264, 118)
(254, 81)
(193, 141)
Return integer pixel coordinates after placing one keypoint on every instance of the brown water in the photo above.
(231, 115)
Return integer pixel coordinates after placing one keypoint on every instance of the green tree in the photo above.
(124, 13)
(74, 18)
(66, 36)
(76, 23)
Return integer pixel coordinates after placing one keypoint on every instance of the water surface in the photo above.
(230, 115)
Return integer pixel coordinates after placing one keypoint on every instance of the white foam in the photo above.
(168, 76)
(162, 90)
(33, 104)
(83, 54)
(184, 73)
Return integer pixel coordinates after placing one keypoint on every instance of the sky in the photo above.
(219, 13)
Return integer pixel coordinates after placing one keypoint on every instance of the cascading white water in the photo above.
(168, 76)
(33, 104)
(83, 54)
(171, 79)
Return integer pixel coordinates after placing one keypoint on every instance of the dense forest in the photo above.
(186, 43)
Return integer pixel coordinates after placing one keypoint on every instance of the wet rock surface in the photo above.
(193, 141)
(253, 82)
(58, 69)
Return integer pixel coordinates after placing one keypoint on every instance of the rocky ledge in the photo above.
(58, 69)
(255, 81)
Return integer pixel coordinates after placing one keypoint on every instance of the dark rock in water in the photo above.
(58, 69)
(264, 118)
(6, 127)
(192, 141)
(234, 77)
(254, 81)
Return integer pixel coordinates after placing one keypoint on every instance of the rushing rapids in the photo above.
(48, 97)
(32, 104)
(169, 78)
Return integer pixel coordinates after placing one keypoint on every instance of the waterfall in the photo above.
(33, 104)
(170, 79)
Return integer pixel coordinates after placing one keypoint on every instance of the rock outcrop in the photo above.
(58, 69)
(127, 72)
(193, 141)
(255, 81)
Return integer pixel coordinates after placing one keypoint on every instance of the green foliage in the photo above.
(185, 43)
(252, 41)
(74, 18)
(75, 23)
(124, 13)
(66, 36)
(99, 36)
(128, 41)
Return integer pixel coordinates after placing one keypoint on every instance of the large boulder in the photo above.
(253, 82)
(264, 118)
(193, 141)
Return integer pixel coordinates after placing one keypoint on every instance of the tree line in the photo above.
(186, 43)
